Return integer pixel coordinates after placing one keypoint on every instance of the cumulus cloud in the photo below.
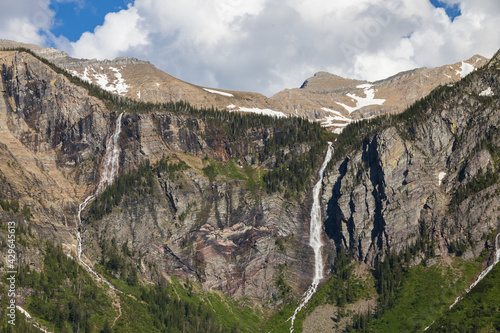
(26, 21)
(268, 45)
(120, 32)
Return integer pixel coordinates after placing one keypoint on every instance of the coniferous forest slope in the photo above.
(206, 227)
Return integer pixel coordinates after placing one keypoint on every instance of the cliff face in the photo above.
(224, 229)
(222, 232)
(404, 179)
(52, 137)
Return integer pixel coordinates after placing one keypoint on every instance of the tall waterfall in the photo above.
(315, 237)
(483, 273)
(109, 171)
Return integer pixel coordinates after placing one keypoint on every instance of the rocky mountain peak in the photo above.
(324, 82)
(327, 98)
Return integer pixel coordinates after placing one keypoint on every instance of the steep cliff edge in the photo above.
(52, 138)
(223, 199)
(214, 220)
(430, 170)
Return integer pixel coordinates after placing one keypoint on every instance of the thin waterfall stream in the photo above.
(109, 171)
(483, 273)
(315, 237)
(480, 277)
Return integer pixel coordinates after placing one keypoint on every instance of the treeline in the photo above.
(284, 134)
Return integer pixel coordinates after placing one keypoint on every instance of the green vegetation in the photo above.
(118, 263)
(423, 294)
(64, 297)
(229, 170)
(342, 288)
(12, 206)
(292, 173)
(139, 182)
(478, 311)
(176, 307)
(479, 182)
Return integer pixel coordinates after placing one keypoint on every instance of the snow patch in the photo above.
(441, 177)
(338, 115)
(487, 92)
(102, 80)
(328, 121)
(118, 86)
(465, 70)
(231, 106)
(157, 84)
(338, 130)
(218, 92)
(332, 121)
(139, 95)
(363, 101)
(85, 76)
(449, 77)
(266, 112)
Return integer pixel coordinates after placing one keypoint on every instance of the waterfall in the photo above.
(483, 273)
(109, 171)
(110, 167)
(315, 237)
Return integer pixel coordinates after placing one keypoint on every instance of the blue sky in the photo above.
(452, 10)
(73, 18)
(261, 45)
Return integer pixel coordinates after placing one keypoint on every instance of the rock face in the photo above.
(226, 231)
(220, 232)
(402, 181)
(329, 99)
(49, 127)
(223, 232)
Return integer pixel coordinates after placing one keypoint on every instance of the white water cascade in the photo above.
(315, 237)
(483, 273)
(108, 173)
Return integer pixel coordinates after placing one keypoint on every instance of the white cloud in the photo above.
(26, 21)
(267, 45)
(119, 33)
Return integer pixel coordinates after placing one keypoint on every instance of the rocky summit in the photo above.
(326, 98)
(136, 194)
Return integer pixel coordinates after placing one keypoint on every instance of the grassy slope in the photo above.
(424, 295)
(478, 311)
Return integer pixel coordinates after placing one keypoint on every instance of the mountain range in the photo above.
(136, 194)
